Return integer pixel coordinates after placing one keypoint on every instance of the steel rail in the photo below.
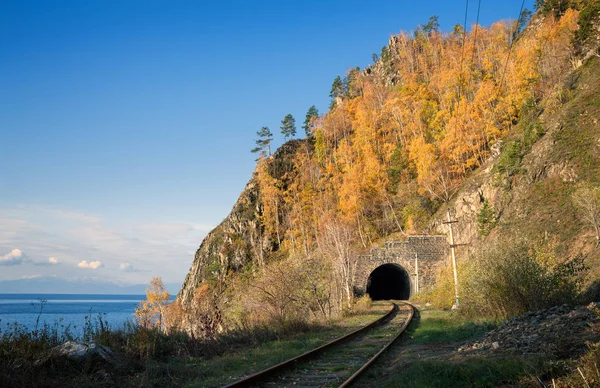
(260, 376)
(365, 366)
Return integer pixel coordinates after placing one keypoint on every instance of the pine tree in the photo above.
(432, 26)
(486, 219)
(338, 90)
(288, 126)
(263, 143)
(312, 113)
(352, 84)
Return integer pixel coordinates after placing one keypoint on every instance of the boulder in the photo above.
(87, 355)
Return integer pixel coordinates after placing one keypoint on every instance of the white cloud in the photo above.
(50, 261)
(14, 257)
(126, 267)
(153, 246)
(91, 264)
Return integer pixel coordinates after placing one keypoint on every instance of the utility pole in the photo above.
(452, 246)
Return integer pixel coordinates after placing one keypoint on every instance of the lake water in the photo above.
(66, 309)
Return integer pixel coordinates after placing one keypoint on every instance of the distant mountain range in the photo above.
(56, 285)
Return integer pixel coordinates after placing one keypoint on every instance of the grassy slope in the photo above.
(567, 154)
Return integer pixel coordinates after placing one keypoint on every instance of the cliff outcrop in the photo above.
(241, 237)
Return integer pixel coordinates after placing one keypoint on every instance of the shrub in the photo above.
(363, 303)
(510, 277)
(486, 219)
(441, 296)
(509, 162)
(589, 17)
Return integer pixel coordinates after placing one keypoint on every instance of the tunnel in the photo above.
(388, 281)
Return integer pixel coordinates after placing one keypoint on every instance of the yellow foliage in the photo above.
(448, 106)
(151, 312)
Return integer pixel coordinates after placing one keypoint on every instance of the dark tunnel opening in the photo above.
(388, 281)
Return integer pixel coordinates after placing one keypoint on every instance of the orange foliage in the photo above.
(449, 104)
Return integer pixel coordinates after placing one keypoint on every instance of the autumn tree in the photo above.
(288, 126)
(311, 115)
(271, 200)
(274, 293)
(337, 242)
(150, 313)
(263, 143)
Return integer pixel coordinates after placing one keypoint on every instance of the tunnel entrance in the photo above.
(388, 281)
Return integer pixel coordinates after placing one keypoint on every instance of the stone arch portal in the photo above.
(389, 281)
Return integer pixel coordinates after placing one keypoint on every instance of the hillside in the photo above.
(498, 124)
(534, 197)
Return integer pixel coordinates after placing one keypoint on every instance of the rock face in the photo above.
(84, 354)
(559, 332)
(240, 238)
(218, 250)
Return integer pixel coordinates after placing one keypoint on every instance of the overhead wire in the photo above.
(470, 79)
(511, 44)
(462, 49)
(475, 35)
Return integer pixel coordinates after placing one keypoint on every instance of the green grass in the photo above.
(419, 360)
(230, 367)
(435, 326)
(471, 373)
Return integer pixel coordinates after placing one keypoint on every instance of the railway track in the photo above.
(339, 362)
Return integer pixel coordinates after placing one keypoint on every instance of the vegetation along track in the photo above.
(339, 362)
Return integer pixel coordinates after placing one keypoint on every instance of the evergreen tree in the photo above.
(522, 22)
(288, 126)
(312, 113)
(486, 219)
(263, 143)
(353, 83)
(432, 26)
(338, 89)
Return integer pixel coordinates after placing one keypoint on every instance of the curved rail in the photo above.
(363, 368)
(262, 375)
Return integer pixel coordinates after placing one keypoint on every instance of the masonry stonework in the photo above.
(430, 252)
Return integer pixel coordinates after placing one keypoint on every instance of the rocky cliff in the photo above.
(240, 238)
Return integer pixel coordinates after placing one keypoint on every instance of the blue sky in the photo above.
(126, 125)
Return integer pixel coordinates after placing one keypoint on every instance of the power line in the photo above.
(462, 49)
(469, 87)
(512, 41)
(475, 34)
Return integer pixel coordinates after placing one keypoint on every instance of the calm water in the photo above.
(66, 309)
